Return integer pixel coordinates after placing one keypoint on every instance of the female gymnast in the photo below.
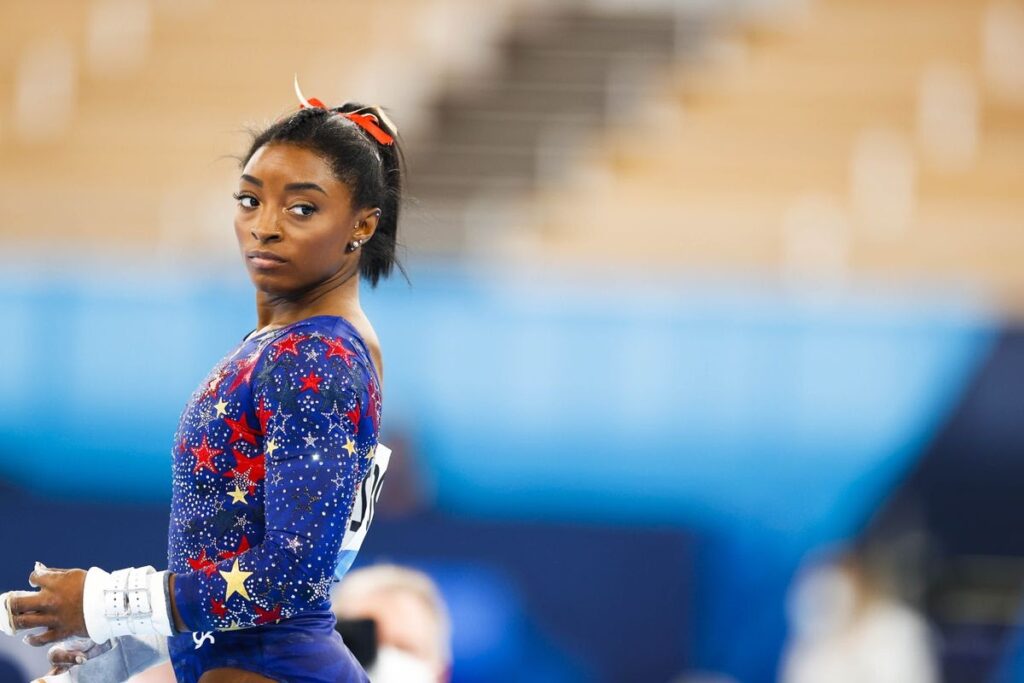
(276, 464)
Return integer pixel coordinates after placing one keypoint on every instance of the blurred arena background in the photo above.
(712, 350)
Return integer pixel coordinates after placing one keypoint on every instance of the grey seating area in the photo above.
(494, 138)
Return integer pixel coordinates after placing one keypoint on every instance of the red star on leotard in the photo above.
(354, 416)
(204, 456)
(335, 347)
(217, 607)
(374, 398)
(211, 388)
(203, 563)
(311, 381)
(243, 371)
(253, 468)
(243, 545)
(263, 414)
(264, 616)
(240, 430)
(289, 344)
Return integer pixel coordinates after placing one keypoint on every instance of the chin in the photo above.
(271, 283)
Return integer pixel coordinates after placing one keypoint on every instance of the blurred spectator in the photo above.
(845, 628)
(413, 627)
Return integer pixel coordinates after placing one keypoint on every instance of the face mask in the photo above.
(397, 666)
(823, 603)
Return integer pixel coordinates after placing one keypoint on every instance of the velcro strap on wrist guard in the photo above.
(130, 601)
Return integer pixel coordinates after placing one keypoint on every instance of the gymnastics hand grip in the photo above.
(6, 616)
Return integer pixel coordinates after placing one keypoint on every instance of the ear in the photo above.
(366, 225)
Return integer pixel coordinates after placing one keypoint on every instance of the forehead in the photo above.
(284, 163)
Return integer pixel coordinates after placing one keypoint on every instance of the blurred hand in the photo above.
(69, 654)
(57, 606)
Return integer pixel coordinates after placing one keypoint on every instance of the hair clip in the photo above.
(371, 125)
(313, 103)
(368, 122)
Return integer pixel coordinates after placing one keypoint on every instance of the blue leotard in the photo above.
(274, 467)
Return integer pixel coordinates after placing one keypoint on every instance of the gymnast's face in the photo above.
(294, 220)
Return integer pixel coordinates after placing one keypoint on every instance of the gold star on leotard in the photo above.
(238, 496)
(350, 446)
(222, 408)
(236, 581)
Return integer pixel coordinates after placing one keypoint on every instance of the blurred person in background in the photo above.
(846, 628)
(277, 462)
(413, 629)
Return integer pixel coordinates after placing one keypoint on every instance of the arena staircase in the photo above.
(560, 77)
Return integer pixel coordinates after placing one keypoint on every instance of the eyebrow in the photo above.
(291, 187)
(304, 186)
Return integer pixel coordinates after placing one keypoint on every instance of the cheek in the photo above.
(241, 231)
(324, 249)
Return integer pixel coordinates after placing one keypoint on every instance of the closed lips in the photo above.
(265, 255)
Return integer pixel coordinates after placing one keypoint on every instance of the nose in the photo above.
(265, 228)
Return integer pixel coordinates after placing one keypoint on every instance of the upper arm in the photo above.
(315, 405)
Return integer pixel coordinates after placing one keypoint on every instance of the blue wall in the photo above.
(766, 424)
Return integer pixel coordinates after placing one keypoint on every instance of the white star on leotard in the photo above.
(334, 420)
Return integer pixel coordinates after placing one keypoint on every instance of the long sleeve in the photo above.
(290, 463)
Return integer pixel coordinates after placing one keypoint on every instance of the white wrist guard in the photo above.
(132, 601)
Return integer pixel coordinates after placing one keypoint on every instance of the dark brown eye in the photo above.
(246, 201)
(304, 210)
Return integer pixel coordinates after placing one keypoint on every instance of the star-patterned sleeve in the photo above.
(298, 463)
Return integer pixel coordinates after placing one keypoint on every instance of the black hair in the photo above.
(372, 171)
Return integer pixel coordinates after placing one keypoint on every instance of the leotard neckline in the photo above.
(369, 357)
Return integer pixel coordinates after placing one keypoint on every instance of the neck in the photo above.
(337, 295)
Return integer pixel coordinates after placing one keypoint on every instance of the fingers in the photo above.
(15, 603)
(46, 638)
(6, 617)
(60, 657)
(41, 575)
(21, 602)
(23, 622)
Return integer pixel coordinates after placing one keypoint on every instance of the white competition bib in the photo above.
(362, 510)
